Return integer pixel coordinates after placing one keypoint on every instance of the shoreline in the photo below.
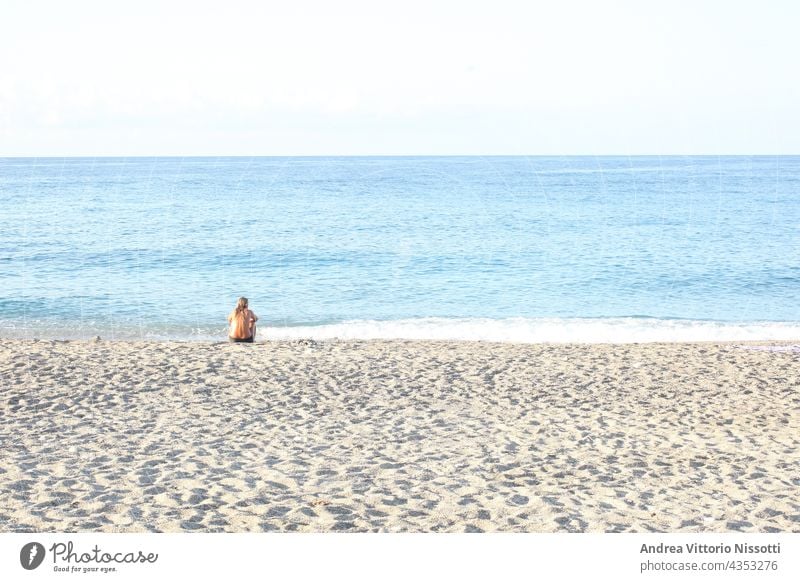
(522, 330)
(337, 340)
(399, 435)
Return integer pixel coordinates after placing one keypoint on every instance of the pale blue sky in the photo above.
(412, 77)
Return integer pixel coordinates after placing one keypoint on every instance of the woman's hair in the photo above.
(241, 305)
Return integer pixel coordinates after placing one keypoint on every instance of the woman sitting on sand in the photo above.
(242, 323)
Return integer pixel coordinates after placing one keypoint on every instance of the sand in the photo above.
(398, 436)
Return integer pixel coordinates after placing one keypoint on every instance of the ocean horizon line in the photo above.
(405, 155)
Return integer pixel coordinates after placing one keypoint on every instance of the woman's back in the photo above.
(242, 322)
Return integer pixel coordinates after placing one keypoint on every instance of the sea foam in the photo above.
(544, 330)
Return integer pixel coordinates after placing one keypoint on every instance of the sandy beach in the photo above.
(398, 436)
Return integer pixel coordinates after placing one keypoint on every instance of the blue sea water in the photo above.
(501, 248)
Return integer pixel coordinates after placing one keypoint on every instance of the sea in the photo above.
(520, 249)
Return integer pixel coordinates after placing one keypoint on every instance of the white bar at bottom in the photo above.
(375, 557)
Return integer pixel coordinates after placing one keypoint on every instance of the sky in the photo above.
(93, 78)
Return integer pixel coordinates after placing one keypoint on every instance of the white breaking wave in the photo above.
(545, 330)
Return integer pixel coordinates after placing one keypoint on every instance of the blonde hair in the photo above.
(241, 306)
